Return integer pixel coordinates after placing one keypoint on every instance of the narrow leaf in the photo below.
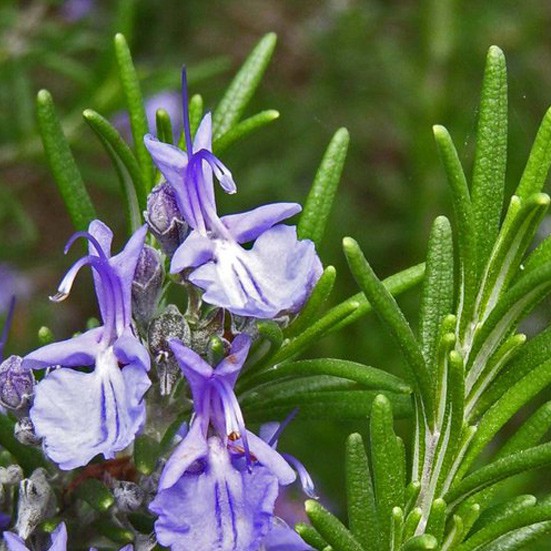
(490, 156)
(146, 454)
(311, 310)
(317, 209)
(504, 510)
(532, 458)
(437, 299)
(244, 128)
(420, 543)
(539, 161)
(389, 312)
(331, 528)
(243, 86)
(368, 377)
(412, 522)
(96, 494)
(437, 519)
(360, 499)
(388, 476)
(63, 166)
(110, 136)
(136, 110)
(164, 126)
(311, 536)
(464, 219)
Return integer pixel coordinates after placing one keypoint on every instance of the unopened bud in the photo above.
(147, 284)
(128, 496)
(164, 218)
(170, 324)
(25, 433)
(36, 502)
(11, 475)
(16, 383)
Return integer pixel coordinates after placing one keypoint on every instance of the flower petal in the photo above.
(170, 160)
(283, 538)
(66, 397)
(219, 508)
(247, 226)
(231, 365)
(129, 350)
(59, 538)
(194, 251)
(271, 459)
(78, 351)
(192, 448)
(14, 542)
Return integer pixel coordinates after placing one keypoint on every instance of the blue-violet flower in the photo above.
(110, 397)
(218, 488)
(275, 276)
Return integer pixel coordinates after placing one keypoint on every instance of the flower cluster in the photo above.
(84, 400)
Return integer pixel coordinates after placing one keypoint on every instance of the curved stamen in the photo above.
(282, 426)
(185, 112)
(89, 237)
(234, 416)
(305, 478)
(66, 284)
(221, 171)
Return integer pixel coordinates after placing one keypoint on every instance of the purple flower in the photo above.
(218, 488)
(275, 276)
(58, 543)
(108, 397)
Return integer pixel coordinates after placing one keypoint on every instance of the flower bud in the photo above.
(147, 284)
(170, 324)
(25, 433)
(16, 383)
(36, 502)
(11, 475)
(164, 218)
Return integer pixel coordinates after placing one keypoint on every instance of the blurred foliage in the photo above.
(387, 71)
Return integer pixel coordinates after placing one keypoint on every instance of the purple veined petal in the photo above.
(75, 352)
(271, 459)
(283, 538)
(196, 370)
(129, 350)
(192, 448)
(203, 136)
(194, 251)
(104, 236)
(231, 365)
(65, 397)
(124, 266)
(247, 226)
(136, 384)
(219, 508)
(14, 542)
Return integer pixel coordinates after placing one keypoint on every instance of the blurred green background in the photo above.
(386, 70)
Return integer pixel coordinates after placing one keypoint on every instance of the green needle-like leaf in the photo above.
(420, 543)
(389, 312)
(368, 377)
(540, 256)
(63, 166)
(146, 454)
(164, 126)
(509, 403)
(539, 161)
(504, 510)
(532, 458)
(318, 404)
(530, 516)
(412, 522)
(490, 156)
(311, 536)
(464, 219)
(387, 464)
(111, 137)
(437, 519)
(437, 301)
(311, 310)
(317, 209)
(396, 284)
(360, 499)
(331, 528)
(195, 115)
(243, 86)
(136, 110)
(96, 494)
(244, 128)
